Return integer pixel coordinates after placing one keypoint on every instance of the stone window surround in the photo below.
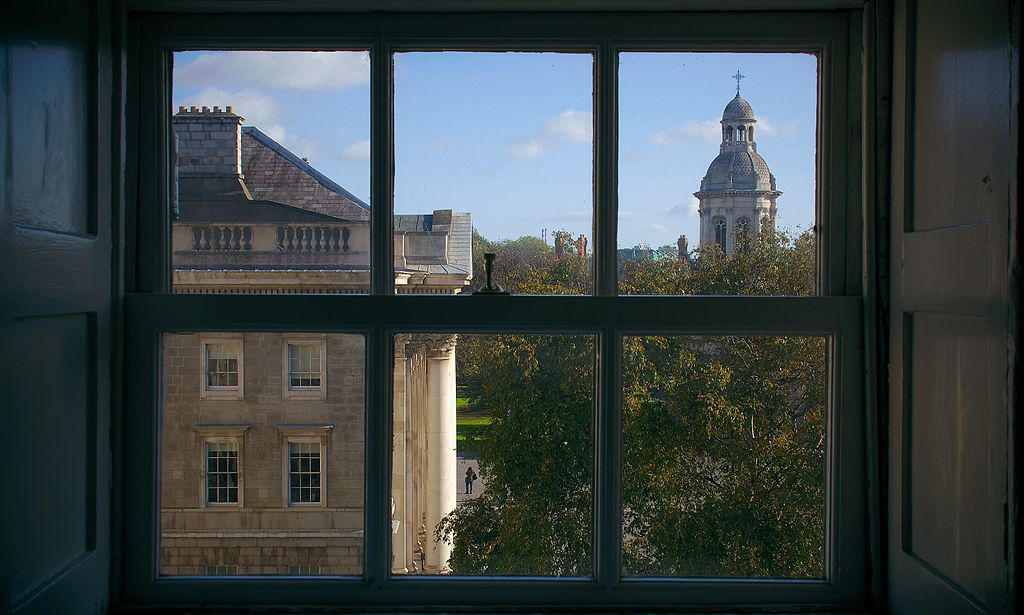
(287, 392)
(303, 434)
(212, 434)
(235, 392)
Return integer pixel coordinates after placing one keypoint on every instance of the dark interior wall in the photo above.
(56, 71)
(955, 120)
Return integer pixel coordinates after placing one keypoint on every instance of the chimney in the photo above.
(684, 248)
(581, 246)
(209, 142)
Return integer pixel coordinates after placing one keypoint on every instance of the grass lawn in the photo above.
(468, 427)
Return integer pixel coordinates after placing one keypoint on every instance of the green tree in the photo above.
(723, 436)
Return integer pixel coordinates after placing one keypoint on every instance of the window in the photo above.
(627, 358)
(305, 372)
(221, 368)
(221, 473)
(305, 464)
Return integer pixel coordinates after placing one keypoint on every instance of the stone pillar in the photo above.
(441, 461)
(400, 520)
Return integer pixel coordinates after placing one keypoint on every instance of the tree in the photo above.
(723, 437)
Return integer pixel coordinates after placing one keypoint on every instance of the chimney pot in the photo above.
(216, 109)
(194, 109)
(230, 109)
(181, 109)
(206, 109)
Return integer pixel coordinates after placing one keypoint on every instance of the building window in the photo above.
(304, 473)
(305, 374)
(222, 376)
(743, 234)
(221, 570)
(222, 477)
(721, 234)
(305, 464)
(221, 473)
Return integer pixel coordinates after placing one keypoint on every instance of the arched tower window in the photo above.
(728, 134)
(720, 234)
(743, 234)
(750, 133)
(740, 136)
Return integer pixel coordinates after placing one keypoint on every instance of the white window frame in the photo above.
(304, 434)
(317, 392)
(845, 132)
(222, 434)
(207, 391)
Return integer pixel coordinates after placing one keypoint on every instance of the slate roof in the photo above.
(274, 173)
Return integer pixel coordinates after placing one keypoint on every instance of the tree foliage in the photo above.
(723, 437)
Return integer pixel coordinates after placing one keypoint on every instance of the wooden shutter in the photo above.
(953, 173)
(55, 219)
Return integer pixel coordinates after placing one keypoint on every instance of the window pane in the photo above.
(499, 146)
(272, 172)
(717, 175)
(493, 455)
(267, 482)
(724, 456)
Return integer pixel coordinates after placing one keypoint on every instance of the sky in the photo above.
(508, 136)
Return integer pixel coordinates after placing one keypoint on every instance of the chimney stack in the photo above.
(209, 142)
(684, 248)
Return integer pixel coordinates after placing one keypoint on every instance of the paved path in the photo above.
(460, 482)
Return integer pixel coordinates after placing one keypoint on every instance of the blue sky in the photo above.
(507, 136)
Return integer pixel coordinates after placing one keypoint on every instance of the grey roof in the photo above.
(738, 109)
(274, 173)
(742, 169)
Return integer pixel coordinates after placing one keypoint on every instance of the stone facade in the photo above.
(738, 194)
(250, 217)
(262, 533)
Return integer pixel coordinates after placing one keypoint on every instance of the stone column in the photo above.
(400, 521)
(441, 462)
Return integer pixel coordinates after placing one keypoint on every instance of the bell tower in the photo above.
(738, 194)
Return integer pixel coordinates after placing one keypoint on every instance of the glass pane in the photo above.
(493, 455)
(271, 175)
(493, 153)
(717, 175)
(724, 456)
(266, 482)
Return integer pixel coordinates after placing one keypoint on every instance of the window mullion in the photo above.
(381, 169)
(376, 523)
(608, 483)
(606, 213)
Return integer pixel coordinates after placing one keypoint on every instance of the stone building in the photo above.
(263, 433)
(738, 194)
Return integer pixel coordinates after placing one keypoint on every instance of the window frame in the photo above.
(317, 392)
(836, 311)
(208, 391)
(222, 434)
(303, 434)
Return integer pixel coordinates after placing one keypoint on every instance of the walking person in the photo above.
(470, 477)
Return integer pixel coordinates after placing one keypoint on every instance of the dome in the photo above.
(746, 169)
(738, 109)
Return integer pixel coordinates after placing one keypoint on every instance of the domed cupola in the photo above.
(737, 195)
(738, 109)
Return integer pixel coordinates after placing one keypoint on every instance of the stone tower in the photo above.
(737, 195)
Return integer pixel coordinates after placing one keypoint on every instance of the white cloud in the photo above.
(360, 150)
(526, 150)
(289, 70)
(769, 129)
(571, 125)
(689, 209)
(706, 131)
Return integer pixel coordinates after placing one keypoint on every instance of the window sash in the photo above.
(836, 312)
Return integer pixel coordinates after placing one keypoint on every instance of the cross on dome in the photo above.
(737, 77)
